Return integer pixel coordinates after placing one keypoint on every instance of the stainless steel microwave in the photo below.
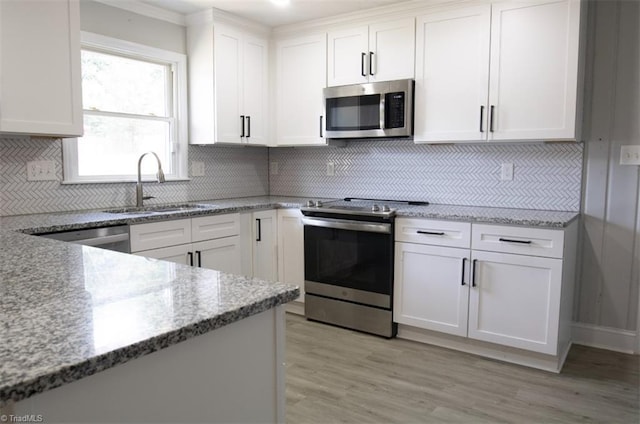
(377, 109)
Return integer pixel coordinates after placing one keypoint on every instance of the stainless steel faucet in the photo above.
(160, 175)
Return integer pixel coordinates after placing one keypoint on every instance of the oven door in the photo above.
(349, 260)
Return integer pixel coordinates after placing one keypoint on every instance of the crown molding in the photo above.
(148, 10)
(216, 15)
(367, 15)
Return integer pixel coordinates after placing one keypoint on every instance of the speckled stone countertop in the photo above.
(63, 221)
(58, 302)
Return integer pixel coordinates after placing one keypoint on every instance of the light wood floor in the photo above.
(341, 376)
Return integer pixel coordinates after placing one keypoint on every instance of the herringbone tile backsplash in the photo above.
(546, 176)
(229, 172)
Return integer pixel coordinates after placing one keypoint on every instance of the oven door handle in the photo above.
(345, 224)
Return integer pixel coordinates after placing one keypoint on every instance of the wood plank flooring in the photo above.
(335, 375)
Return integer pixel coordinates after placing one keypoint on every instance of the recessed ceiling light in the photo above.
(281, 3)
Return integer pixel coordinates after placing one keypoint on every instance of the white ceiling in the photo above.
(267, 13)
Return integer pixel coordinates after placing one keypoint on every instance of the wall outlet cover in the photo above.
(41, 170)
(197, 169)
(506, 173)
(331, 169)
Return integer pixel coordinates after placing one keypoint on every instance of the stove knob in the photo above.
(318, 204)
(310, 203)
(386, 208)
(375, 208)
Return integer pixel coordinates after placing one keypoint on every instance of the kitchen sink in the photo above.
(148, 210)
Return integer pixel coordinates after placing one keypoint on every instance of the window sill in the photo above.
(70, 182)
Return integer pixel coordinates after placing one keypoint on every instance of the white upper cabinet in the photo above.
(228, 74)
(301, 74)
(40, 80)
(534, 70)
(452, 71)
(520, 85)
(379, 52)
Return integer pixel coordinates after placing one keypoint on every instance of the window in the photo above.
(134, 101)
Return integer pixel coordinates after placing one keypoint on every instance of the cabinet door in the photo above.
(265, 259)
(178, 254)
(301, 76)
(291, 248)
(222, 254)
(452, 73)
(534, 69)
(348, 53)
(391, 52)
(40, 80)
(228, 80)
(255, 90)
(431, 288)
(515, 300)
(201, 85)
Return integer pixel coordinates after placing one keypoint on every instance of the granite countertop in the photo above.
(63, 221)
(58, 300)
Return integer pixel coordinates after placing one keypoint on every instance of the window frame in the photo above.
(177, 63)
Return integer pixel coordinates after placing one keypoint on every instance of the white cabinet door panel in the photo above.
(452, 72)
(215, 226)
(515, 301)
(40, 87)
(348, 54)
(291, 248)
(228, 80)
(428, 231)
(432, 287)
(519, 240)
(221, 254)
(254, 90)
(533, 75)
(265, 255)
(393, 47)
(301, 76)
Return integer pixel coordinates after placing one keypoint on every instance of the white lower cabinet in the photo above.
(209, 242)
(291, 248)
(265, 259)
(433, 293)
(515, 300)
(510, 286)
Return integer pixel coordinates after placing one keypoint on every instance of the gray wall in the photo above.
(610, 269)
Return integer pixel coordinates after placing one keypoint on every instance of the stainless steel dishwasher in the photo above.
(110, 238)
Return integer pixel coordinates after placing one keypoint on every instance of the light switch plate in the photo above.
(331, 169)
(506, 173)
(273, 168)
(630, 155)
(197, 169)
(41, 170)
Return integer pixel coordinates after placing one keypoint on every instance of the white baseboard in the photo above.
(615, 339)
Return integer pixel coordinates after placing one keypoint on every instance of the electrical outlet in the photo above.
(630, 155)
(41, 170)
(506, 173)
(197, 169)
(331, 169)
(273, 168)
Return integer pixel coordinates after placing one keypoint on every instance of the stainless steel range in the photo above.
(348, 249)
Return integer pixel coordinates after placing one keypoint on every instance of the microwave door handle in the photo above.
(382, 111)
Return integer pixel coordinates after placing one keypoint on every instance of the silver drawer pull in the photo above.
(432, 233)
(515, 241)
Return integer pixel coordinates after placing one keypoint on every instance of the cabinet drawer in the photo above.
(519, 240)
(160, 234)
(439, 233)
(215, 226)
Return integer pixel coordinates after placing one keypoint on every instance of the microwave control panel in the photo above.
(394, 110)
